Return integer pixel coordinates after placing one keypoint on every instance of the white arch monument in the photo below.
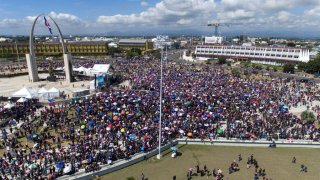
(31, 62)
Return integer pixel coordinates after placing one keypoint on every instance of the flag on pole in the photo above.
(46, 23)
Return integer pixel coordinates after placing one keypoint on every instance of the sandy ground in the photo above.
(10, 85)
(298, 110)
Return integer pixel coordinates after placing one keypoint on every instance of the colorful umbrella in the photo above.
(132, 136)
(33, 166)
(220, 131)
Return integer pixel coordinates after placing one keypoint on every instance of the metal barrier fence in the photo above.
(106, 169)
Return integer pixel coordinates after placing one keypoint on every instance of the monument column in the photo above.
(31, 61)
(68, 67)
(32, 68)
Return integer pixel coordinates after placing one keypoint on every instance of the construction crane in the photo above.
(218, 24)
(216, 27)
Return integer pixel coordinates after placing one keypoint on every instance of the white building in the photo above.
(213, 40)
(161, 41)
(269, 55)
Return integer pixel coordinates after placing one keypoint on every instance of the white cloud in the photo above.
(144, 4)
(30, 18)
(194, 14)
(184, 21)
(9, 23)
(315, 12)
(66, 18)
(165, 12)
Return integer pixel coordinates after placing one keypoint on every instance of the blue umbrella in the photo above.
(283, 110)
(285, 107)
(90, 158)
(59, 165)
(142, 149)
(155, 120)
(132, 136)
(91, 123)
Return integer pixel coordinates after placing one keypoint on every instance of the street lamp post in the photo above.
(160, 114)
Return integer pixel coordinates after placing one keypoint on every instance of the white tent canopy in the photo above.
(42, 90)
(21, 100)
(100, 69)
(9, 105)
(26, 92)
(43, 93)
(80, 69)
(53, 93)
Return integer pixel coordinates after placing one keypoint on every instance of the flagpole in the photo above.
(160, 114)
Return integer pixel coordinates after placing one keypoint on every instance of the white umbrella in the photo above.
(67, 169)
(166, 128)
(181, 131)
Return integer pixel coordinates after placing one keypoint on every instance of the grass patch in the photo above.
(276, 162)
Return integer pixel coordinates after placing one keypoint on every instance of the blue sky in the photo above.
(260, 17)
(86, 9)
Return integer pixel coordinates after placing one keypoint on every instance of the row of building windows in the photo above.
(252, 49)
(249, 54)
(74, 48)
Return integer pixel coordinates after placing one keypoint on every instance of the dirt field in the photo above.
(276, 162)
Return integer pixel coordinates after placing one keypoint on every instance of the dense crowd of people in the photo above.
(44, 65)
(199, 101)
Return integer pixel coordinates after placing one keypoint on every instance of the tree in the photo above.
(288, 68)
(275, 69)
(176, 45)
(113, 50)
(235, 72)
(268, 68)
(133, 52)
(222, 60)
(136, 50)
(291, 44)
(308, 116)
